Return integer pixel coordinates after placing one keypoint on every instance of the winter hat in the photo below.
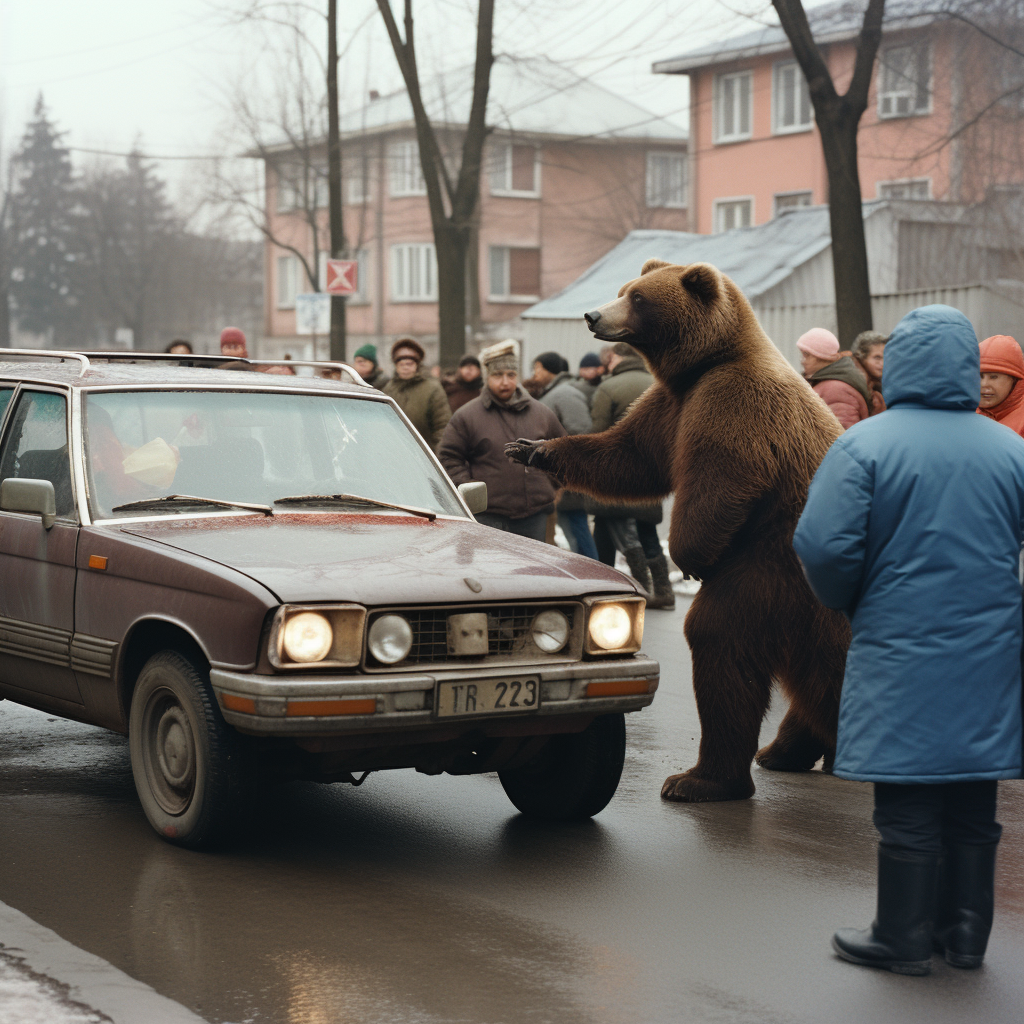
(470, 361)
(819, 342)
(551, 361)
(410, 346)
(368, 352)
(232, 336)
(1002, 354)
(501, 357)
(590, 359)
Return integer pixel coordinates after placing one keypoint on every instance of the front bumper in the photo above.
(405, 701)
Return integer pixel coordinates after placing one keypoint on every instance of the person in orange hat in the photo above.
(232, 343)
(1002, 370)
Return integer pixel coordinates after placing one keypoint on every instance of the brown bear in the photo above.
(733, 432)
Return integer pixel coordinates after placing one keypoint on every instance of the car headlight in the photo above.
(615, 626)
(390, 639)
(550, 631)
(308, 637)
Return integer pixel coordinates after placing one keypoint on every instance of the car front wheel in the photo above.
(574, 776)
(194, 774)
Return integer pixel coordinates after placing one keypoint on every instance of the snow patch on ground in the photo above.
(30, 998)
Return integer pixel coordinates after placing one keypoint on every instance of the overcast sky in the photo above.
(116, 71)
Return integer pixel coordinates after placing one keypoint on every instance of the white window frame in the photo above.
(505, 295)
(287, 272)
(927, 182)
(778, 128)
(727, 201)
(888, 102)
(501, 153)
(786, 195)
(413, 272)
(406, 173)
(358, 182)
(720, 135)
(656, 202)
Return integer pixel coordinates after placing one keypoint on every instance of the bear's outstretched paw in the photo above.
(790, 758)
(687, 788)
(527, 452)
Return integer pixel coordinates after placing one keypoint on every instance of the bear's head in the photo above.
(681, 319)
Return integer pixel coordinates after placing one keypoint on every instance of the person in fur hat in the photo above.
(419, 395)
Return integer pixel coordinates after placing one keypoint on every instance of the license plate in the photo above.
(487, 697)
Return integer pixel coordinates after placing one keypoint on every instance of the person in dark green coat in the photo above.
(420, 397)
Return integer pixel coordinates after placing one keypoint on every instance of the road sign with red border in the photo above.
(342, 277)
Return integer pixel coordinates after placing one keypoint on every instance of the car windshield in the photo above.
(252, 447)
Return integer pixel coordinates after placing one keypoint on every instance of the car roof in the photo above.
(117, 374)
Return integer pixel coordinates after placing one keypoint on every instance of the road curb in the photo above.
(90, 980)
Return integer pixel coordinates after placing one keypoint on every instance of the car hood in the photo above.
(384, 559)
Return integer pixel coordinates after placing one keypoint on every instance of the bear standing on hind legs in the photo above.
(731, 430)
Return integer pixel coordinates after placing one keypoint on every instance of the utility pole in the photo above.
(337, 223)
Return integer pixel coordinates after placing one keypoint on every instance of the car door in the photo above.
(37, 566)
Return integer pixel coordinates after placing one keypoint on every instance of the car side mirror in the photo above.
(474, 494)
(29, 496)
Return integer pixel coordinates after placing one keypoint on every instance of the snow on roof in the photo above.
(531, 96)
(829, 23)
(756, 259)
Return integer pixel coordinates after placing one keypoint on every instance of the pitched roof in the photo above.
(532, 96)
(830, 23)
(756, 258)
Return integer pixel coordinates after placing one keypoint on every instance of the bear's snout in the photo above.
(592, 318)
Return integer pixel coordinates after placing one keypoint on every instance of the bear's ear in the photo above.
(653, 264)
(701, 281)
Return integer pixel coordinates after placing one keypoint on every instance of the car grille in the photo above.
(508, 633)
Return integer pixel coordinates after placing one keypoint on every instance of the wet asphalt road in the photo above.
(416, 899)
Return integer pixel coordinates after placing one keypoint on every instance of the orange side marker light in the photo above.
(364, 706)
(618, 688)
(230, 702)
(97, 561)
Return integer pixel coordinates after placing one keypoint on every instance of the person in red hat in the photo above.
(232, 343)
(1002, 394)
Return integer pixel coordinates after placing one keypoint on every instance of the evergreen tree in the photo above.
(45, 228)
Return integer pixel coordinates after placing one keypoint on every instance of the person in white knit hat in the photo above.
(519, 498)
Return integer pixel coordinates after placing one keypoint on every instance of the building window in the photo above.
(905, 80)
(791, 200)
(514, 169)
(362, 258)
(906, 188)
(732, 102)
(733, 213)
(515, 274)
(300, 185)
(289, 272)
(357, 181)
(406, 172)
(413, 273)
(791, 100)
(666, 179)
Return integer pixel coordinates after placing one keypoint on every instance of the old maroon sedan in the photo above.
(265, 577)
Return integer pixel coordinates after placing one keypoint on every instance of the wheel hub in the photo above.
(170, 752)
(174, 748)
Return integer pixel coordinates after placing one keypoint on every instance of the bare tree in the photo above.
(453, 203)
(838, 118)
(337, 223)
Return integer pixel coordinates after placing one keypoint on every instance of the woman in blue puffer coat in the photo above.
(913, 527)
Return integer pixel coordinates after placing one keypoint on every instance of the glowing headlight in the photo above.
(390, 639)
(610, 626)
(550, 631)
(307, 637)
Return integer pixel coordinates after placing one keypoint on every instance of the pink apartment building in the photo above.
(943, 120)
(570, 169)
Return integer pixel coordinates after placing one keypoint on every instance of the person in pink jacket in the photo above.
(836, 378)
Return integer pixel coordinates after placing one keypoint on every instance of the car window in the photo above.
(253, 447)
(36, 445)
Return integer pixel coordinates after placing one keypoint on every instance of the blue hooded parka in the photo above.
(913, 528)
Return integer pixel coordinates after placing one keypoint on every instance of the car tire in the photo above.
(195, 775)
(574, 776)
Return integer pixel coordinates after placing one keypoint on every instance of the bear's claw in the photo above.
(525, 451)
(687, 788)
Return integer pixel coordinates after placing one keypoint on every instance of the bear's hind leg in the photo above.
(795, 747)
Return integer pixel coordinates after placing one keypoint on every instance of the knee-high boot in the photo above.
(966, 903)
(663, 596)
(637, 562)
(900, 938)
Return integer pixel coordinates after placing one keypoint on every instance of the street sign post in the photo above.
(313, 313)
(342, 277)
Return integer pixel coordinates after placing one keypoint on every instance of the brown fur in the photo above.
(732, 431)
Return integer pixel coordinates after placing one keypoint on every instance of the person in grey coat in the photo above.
(913, 527)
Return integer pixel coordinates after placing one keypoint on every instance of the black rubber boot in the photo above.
(966, 901)
(663, 596)
(900, 939)
(637, 562)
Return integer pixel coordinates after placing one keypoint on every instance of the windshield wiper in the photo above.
(307, 499)
(191, 499)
